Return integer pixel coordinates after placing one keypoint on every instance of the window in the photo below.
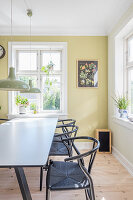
(46, 65)
(129, 71)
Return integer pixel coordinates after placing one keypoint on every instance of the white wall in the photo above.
(122, 137)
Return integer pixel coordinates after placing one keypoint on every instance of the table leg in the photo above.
(23, 183)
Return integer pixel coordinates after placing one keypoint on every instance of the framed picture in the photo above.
(87, 72)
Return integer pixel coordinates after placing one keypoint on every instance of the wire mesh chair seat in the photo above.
(66, 176)
(58, 139)
(58, 148)
(73, 175)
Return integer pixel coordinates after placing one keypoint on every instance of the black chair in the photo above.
(3, 119)
(58, 148)
(65, 122)
(73, 175)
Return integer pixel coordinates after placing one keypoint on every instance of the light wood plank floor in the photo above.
(111, 181)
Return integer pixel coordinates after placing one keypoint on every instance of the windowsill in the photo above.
(38, 115)
(123, 122)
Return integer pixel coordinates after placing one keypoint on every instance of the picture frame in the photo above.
(87, 73)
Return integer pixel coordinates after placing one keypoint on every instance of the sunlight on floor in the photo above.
(103, 198)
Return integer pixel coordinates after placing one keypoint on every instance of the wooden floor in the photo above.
(111, 181)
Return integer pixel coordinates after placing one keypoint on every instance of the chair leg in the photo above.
(70, 152)
(86, 194)
(41, 178)
(47, 193)
(46, 166)
(41, 173)
(92, 194)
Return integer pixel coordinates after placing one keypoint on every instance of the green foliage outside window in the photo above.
(51, 97)
(51, 101)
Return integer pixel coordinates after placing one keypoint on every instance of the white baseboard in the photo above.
(128, 165)
(83, 145)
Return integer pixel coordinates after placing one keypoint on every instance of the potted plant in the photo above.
(122, 103)
(48, 68)
(33, 107)
(22, 102)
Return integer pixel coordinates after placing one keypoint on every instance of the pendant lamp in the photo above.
(11, 83)
(32, 89)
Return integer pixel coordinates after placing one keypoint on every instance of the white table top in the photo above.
(26, 142)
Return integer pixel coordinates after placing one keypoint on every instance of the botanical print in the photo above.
(87, 73)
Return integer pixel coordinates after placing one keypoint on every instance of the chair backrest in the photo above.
(91, 153)
(3, 120)
(65, 122)
(66, 131)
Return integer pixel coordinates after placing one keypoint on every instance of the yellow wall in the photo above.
(87, 105)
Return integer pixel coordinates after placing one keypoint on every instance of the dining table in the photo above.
(26, 142)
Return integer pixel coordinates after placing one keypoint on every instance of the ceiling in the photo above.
(62, 17)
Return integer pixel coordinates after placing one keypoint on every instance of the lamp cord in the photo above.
(30, 43)
(11, 33)
(27, 5)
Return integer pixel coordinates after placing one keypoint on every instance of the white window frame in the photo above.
(127, 67)
(119, 69)
(40, 46)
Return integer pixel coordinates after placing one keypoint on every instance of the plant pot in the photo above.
(123, 113)
(35, 111)
(22, 110)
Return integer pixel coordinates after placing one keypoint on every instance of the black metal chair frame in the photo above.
(66, 133)
(68, 145)
(4, 119)
(89, 192)
(65, 122)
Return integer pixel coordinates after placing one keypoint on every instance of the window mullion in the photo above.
(128, 79)
(38, 77)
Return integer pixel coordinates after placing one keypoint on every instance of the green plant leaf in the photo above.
(121, 102)
(21, 101)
